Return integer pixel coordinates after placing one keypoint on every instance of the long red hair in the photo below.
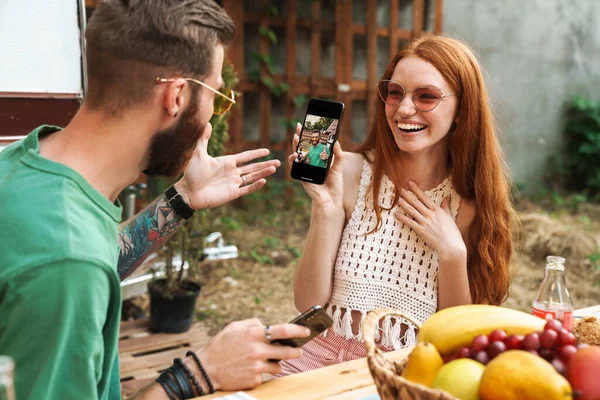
(479, 172)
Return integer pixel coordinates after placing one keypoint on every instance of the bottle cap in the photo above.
(555, 262)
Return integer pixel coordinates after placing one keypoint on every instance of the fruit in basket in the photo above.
(455, 327)
(520, 375)
(531, 341)
(460, 378)
(423, 364)
(513, 342)
(546, 344)
(583, 372)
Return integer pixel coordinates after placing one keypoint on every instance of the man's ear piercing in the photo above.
(175, 115)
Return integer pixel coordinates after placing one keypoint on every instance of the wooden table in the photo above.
(350, 380)
(144, 354)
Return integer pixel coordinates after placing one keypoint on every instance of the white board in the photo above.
(40, 48)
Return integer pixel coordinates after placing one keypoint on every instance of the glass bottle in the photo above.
(7, 368)
(553, 300)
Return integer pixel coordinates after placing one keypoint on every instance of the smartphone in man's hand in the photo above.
(315, 319)
(315, 147)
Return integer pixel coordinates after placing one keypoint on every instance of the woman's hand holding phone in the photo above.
(330, 193)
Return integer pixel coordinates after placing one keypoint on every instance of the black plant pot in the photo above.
(173, 314)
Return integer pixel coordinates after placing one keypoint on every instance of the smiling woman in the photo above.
(419, 218)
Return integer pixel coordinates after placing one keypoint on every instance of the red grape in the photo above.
(549, 338)
(531, 342)
(554, 325)
(565, 352)
(513, 342)
(546, 354)
(559, 366)
(463, 352)
(498, 334)
(447, 359)
(480, 343)
(565, 337)
(495, 348)
(582, 346)
(482, 357)
(534, 352)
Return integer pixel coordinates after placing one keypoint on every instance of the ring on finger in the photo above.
(244, 179)
(268, 333)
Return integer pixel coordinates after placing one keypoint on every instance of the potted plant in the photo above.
(173, 295)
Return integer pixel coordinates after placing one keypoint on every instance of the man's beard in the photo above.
(172, 148)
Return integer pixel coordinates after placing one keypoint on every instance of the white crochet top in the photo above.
(391, 267)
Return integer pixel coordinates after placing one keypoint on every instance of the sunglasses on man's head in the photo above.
(424, 98)
(221, 104)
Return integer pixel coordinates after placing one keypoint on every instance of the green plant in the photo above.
(294, 251)
(322, 124)
(230, 223)
(576, 201)
(265, 78)
(578, 167)
(272, 242)
(269, 34)
(261, 258)
(595, 259)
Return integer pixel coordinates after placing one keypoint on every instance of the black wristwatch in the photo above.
(175, 200)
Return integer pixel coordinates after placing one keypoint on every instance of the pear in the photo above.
(423, 364)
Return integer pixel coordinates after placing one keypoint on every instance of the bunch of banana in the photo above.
(455, 327)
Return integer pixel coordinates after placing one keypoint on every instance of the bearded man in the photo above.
(154, 81)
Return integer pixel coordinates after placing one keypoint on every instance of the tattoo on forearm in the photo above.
(144, 233)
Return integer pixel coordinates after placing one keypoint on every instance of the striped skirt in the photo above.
(324, 351)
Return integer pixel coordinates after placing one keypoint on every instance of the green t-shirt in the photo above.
(314, 155)
(60, 297)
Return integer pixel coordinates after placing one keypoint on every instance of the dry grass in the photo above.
(573, 236)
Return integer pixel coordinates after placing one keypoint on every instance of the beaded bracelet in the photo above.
(190, 375)
(206, 378)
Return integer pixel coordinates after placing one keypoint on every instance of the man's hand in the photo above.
(210, 182)
(324, 155)
(236, 357)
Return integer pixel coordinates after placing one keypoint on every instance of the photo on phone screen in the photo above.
(316, 142)
(315, 147)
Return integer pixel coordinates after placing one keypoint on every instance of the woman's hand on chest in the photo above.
(434, 224)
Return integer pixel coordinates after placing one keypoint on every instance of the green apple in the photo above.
(460, 378)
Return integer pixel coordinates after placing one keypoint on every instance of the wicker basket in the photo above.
(387, 374)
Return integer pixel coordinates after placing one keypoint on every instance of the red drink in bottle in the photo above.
(553, 300)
